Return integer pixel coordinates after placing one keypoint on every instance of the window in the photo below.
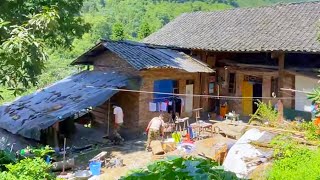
(232, 83)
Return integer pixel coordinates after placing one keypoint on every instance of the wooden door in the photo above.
(247, 91)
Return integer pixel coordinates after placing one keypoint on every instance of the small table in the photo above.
(201, 126)
(179, 122)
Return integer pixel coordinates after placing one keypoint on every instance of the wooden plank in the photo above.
(98, 114)
(100, 110)
(100, 157)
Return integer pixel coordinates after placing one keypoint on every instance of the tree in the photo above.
(117, 32)
(27, 29)
(144, 30)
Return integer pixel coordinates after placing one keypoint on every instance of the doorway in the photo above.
(257, 92)
(251, 87)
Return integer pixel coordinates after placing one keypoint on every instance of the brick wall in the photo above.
(149, 76)
(129, 102)
(136, 105)
(109, 61)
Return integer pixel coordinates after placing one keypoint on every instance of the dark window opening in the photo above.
(274, 87)
(232, 83)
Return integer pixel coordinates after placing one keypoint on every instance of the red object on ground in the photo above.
(317, 121)
(188, 141)
(188, 137)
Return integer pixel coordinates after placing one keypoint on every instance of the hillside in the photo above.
(125, 19)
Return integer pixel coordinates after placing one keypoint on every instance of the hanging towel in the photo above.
(152, 107)
(163, 106)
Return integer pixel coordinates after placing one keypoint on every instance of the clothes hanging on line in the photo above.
(152, 107)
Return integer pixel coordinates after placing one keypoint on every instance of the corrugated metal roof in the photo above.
(40, 110)
(142, 56)
(285, 27)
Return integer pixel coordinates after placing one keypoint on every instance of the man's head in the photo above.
(161, 116)
(114, 105)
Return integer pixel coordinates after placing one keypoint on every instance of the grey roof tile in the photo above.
(285, 27)
(142, 56)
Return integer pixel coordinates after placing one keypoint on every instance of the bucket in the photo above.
(95, 168)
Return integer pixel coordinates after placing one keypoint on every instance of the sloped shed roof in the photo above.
(285, 27)
(40, 110)
(142, 56)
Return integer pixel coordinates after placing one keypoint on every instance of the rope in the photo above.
(199, 95)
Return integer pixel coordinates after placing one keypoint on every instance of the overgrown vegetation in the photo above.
(28, 169)
(293, 160)
(265, 114)
(181, 168)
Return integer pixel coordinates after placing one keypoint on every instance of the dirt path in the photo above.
(132, 153)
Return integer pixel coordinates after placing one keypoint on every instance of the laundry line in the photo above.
(294, 90)
(195, 95)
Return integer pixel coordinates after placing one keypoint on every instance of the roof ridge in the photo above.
(280, 4)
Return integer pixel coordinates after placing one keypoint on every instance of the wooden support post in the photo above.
(281, 61)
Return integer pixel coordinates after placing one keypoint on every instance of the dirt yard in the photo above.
(132, 153)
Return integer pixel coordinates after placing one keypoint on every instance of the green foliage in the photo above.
(28, 169)
(315, 97)
(180, 168)
(312, 131)
(293, 161)
(5, 158)
(144, 30)
(40, 152)
(283, 146)
(27, 29)
(265, 113)
(117, 32)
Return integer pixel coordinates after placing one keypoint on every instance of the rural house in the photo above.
(257, 52)
(120, 70)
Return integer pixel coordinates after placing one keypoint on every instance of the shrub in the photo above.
(5, 158)
(180, 168)
(28, 169)
(301, 163)
(264, 113)
(293, 160)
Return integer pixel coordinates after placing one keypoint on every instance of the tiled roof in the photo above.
(142, 56)
(285, 27)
